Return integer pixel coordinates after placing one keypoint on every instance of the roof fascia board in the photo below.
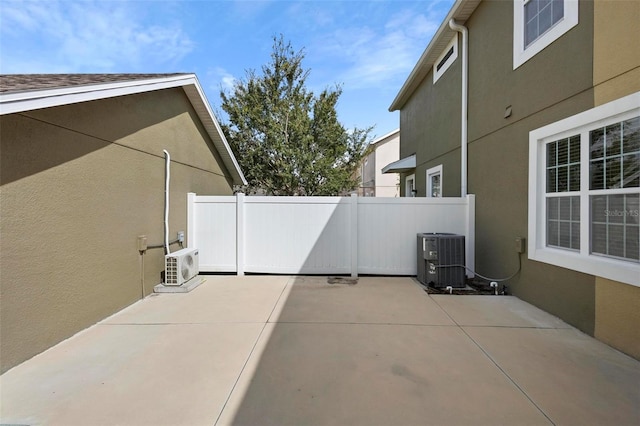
(461, 9)
(239, 178)
(30, 100)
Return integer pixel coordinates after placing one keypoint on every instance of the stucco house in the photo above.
(374, 183)
(82, 176)
(534, 107)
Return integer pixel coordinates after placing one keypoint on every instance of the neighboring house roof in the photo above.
(25, 92)
(460, 11)
(384, 139)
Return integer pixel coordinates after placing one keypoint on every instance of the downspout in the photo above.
(465, 77)
(167, 177)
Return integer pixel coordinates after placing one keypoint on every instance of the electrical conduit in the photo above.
(167, 177)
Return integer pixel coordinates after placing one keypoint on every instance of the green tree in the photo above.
(287, 140)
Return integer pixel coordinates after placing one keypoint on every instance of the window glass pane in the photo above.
(544, 17)
(530, 10)
(631, 135)
(552, 234)
(563, 152)
(599, 208)
(563, 222)
(614, 225)
(565, 208)
(615, 210)
(597, 174)
(613, 173)
(599, 239)
(551, 180)
(596, 143)
(563, 181)
(551, 154)
(616, 240)
(613, 140)
(552, 208)
(631, 170)
(574, 177)
(558, 10)
(574, 149)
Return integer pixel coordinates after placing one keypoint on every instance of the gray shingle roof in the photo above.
(26, 82)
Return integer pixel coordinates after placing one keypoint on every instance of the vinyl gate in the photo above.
(321, 235)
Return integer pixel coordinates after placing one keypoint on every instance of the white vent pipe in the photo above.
(167, 177)
(465, 76)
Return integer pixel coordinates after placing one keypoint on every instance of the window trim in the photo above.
(582, 261)
(522, 54)
(437, 170)
(437, 73)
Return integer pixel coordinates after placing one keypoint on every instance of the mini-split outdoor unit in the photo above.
(180, 266)
(441, 260)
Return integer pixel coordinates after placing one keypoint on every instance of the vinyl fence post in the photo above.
(239, 233)
(354, 235)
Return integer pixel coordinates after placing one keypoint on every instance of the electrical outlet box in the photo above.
(142, 242)
(181, 236)
(520, 244)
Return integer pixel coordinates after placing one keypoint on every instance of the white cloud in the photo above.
(220, 79)
(89, 36)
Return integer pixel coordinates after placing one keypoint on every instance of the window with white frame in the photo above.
(434, 181)
(584, 191)
(538, 23)
(446, 58)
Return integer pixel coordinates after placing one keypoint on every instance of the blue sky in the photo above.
(368, 47)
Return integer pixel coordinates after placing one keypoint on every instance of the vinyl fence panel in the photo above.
(321, 235)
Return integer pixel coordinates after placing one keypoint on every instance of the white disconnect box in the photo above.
(180, 267)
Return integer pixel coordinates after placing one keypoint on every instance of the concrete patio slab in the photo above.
(372, 301)
(130, 375)
(220, 299)
(496, 311)
(364, 374)
(282, 350)
(572, 377)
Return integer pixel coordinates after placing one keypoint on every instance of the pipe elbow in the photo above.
(457, 27)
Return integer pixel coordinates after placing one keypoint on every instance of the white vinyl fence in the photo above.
(321, 235)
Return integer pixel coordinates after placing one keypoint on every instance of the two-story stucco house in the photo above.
(374, 183)
(534, 107)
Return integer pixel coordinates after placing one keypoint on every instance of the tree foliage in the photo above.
(287, 140)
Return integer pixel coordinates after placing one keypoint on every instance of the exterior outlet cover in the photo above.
(520, 244)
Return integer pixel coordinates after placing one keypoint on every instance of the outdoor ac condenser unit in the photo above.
(180, 266)
(435, 253)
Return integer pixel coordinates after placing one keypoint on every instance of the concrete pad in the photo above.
(221, 299)
(130, 375)
(374, 300)
(573, 378)
(495, 311)
(352, 374)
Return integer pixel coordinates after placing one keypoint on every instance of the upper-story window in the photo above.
(538, 23)
(445, 59)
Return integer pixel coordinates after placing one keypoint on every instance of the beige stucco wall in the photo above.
(618, 315)
(79, 184)
(387, 185)
(616, 73)
(616, 50)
